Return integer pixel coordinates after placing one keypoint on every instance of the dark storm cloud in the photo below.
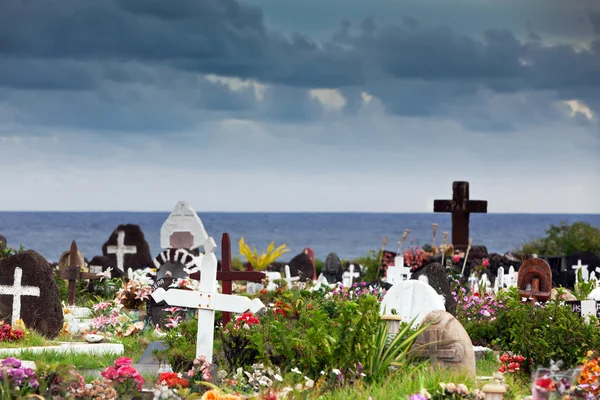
(413, 68)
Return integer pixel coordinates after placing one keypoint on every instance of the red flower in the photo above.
(485, 262)
(110, 373)
(544, 383)
(263, 291)
(456, 258)
(172, 380)
(504, 358)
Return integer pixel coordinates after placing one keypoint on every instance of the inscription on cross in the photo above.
(461, 208)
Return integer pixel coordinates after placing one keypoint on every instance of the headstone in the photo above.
(349, 276)
(584, 308)
(302, 267)
(411, 299)
(438, 280)
(535, 280)
(397, 272)
(446, 343)
(585, 274)
(332, 269)
(148, 363)
(177, 263)
(253, 287)
(207, 301)
(63, 261)
(311, 255)
(126, 248)
(29, 292)
(183, 229)
(289, 278)
(156, 313)
(461, 208)
(273, 276)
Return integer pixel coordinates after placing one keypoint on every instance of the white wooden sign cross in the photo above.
(349, 275)
(17, 290)
(289, 278)
(207, 300)
(120, 250)
(473, 284)
(585, 274)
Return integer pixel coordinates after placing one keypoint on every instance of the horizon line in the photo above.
(294, 212)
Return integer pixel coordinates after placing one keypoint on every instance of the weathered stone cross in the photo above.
(461, 207)
(120, 250)
(207, 300)
(16, 290)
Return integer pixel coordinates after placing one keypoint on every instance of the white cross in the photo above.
(16, 290)
(473, 283)
(272, 276)
(120, 250)
(207, 300)
(321, 281)
(288, 277)
(584, 271)
(349, 275)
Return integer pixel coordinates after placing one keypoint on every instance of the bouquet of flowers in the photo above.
(550, 383)
(133, 294)
(124, 378)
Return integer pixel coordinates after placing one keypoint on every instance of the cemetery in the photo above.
(198, 321)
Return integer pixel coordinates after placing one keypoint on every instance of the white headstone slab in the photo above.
(120, 250)
(511, 279)
(584, 271)
(253, 287)
(411, 299)
(16, 291)
(473, 284)
(272, 276)
(183, 219)
(289, 278)
(348, 276)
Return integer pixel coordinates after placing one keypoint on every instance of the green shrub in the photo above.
(539, 333)
(564, 240)
(9, 251)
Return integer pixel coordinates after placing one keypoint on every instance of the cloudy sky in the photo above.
(299, 105)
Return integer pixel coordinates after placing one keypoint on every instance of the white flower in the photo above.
(278, 377)
(296, 370)
(310, 384)
(336, 371)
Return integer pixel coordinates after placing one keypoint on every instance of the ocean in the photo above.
(349, 235)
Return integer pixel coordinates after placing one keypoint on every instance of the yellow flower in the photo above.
(211, 395)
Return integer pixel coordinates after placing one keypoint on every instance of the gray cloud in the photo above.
(106, 50)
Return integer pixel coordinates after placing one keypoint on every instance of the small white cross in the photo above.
(16, 290)
(584, 271)
(473, 283)
(120, 250)
(349, 275)
(288, 277)
(207, 300)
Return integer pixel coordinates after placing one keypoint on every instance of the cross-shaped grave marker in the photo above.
(473, 284)
(16, 291)
(120, 250)
(585, 274)
(348, 276)
(73, 273)
(207, 301)
(289, 278)
(461, 208)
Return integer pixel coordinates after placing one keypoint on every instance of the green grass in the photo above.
(80, 360)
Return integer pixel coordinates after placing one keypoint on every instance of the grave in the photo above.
(207, 301)
(71, 271)
(302, 266)
(534, 280)
(505, 281)
(29, 292)
(332, 269)
(311, 255)
(438, 280)
(289, 279)
(585, 274)
(70, 347)
(411, 299)
(148, 363)
(125, 248)
(348, 276)
(461, 208)
(446, 343)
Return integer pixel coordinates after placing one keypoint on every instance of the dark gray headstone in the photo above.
(302, 266)
(436, 275)
(175, 269)
(155, 312)
(148, 357)
(133, 237)
(37, 292)
(332, 269)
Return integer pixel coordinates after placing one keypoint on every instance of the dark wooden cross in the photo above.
(461, 207)
(227, 276)
(72, 273)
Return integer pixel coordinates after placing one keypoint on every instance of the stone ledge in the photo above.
(89, 348)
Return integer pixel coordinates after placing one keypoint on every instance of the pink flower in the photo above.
(122, 361)
(485, 262)
(456, 258)
(110, 373)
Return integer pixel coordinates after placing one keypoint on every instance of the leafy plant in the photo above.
(582, 288)
(565, 239)
(9, 251)
(381, 358)
(262, 261)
